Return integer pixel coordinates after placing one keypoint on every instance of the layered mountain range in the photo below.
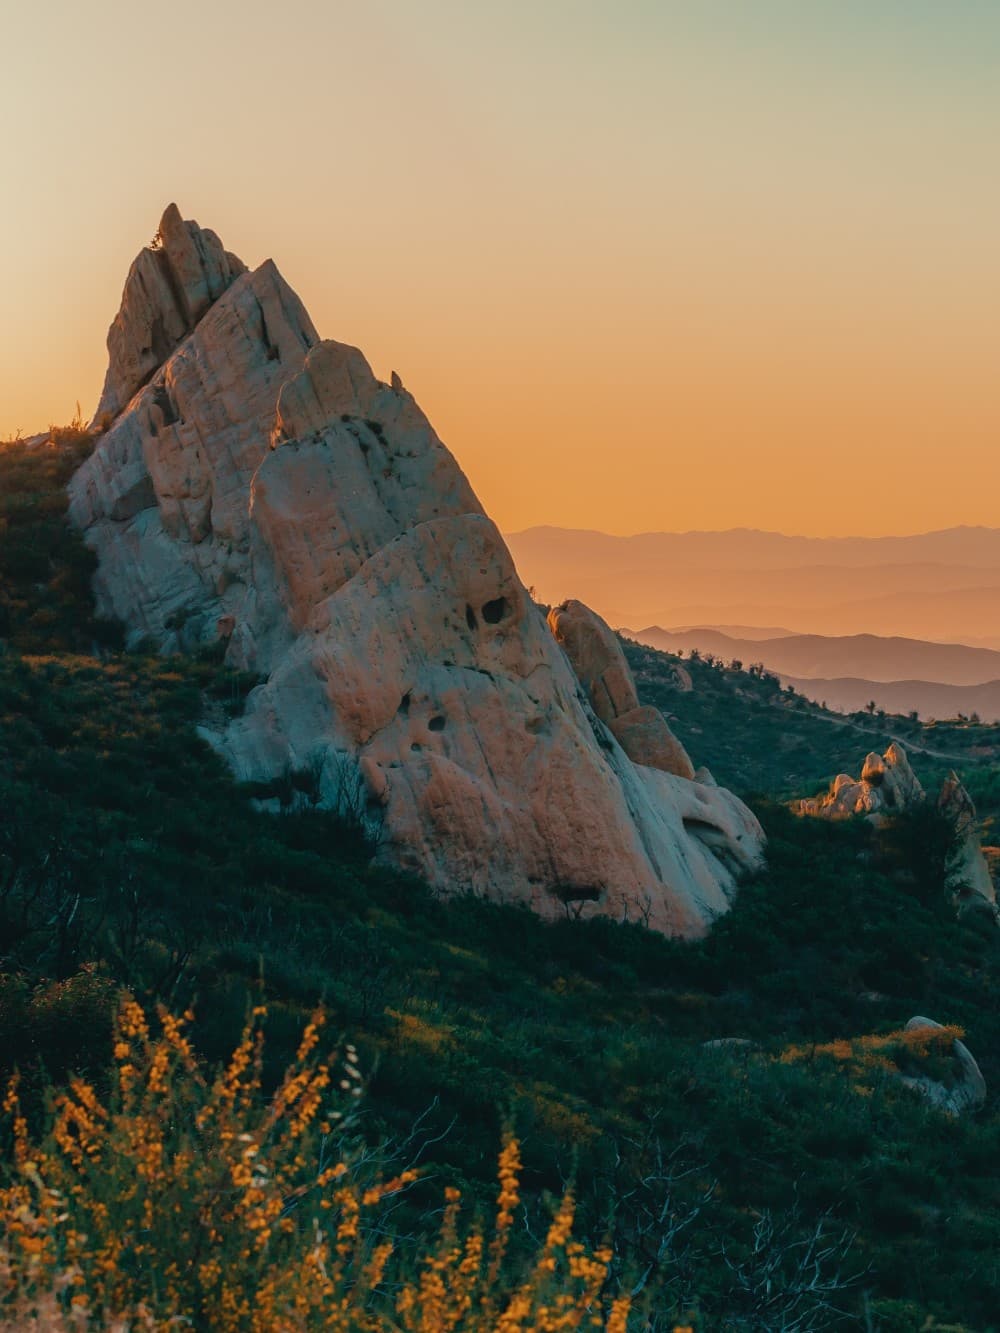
(941, 586)
(936, 680)
(257, 488)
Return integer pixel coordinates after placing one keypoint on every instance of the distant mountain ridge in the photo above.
(942, 585)
(975, 545)
(928, 698)
(861, 655)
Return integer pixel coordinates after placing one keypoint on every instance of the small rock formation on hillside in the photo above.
(889, 785)
(960, 1095)
(261, 487)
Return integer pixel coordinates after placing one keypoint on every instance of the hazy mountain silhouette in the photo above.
(934, 586)
(928, 698)
(813, 656)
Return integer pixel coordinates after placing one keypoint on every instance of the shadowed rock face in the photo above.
(264, 486)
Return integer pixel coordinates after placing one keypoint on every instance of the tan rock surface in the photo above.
(167, 291)
(599, 662)
(267, 489)
(969, 871)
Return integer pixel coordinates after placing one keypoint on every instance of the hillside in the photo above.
(927, 697)
(128, 856)
(958, 680)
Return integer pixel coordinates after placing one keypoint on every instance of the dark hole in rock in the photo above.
(470, 618)
(416, 747)
(404, 703)
(375, 427)
(436, 723)
(494, 611)
(534, 725)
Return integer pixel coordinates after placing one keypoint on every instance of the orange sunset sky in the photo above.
(645, 264)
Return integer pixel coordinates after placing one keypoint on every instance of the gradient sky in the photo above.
(646, 264)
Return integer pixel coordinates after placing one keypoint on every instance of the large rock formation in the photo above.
(263, 487)
(887, 786)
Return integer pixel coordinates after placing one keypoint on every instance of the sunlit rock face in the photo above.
(887, 786)
(263, 487)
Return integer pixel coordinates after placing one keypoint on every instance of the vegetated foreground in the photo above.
(782, 1179)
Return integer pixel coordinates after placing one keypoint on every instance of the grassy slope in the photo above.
(128, 856)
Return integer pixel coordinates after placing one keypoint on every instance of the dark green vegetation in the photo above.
(758, 737)
(129, 857)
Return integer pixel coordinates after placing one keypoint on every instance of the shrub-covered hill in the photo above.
(758, 737)
(129, 857)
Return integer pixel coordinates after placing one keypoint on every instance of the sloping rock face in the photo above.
(889, 785)
(969, 871)
(264, 487)
(600, 666)
(167, 291)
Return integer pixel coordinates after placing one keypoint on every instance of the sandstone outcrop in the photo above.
(969, 871)
(597, 658)
(263, 487)
(887, 786)
(167, 291)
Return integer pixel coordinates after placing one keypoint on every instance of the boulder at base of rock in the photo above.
(599, 662)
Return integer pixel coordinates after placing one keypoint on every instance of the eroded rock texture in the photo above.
(264, 487)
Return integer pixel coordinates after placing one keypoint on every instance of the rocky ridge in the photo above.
(261, 487)
(887, 786)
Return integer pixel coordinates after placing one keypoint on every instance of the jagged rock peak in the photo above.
(169, 287)
(265, 489)
(887, 784)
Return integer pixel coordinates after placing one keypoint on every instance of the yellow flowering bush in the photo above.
(180, 1200)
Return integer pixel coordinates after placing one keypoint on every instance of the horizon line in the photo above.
(759, 532)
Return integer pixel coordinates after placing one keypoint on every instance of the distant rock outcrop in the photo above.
(262, 487)
(887, 786)
(969, 869)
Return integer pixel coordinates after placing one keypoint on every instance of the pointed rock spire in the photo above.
(169, 287)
